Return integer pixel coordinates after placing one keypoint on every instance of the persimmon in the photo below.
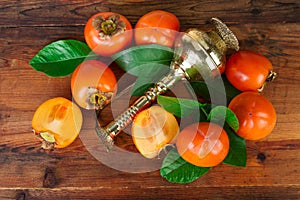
(256, 115)
(157, 27)
(249, 71)
(152, 129)
(107, 33)
(203, 144)
(93, 84)
(57, 122)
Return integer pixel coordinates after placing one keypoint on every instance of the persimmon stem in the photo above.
(48, 139)
(165, 149)
(108, 27)
(97, 99)
(271, 76)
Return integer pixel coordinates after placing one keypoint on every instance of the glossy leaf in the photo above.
(144, 60)
(222, 114)
(141, 86)
(178, 106)
(61, 58)
(143, 83)
(219, 91)
(176, 169)
(237, 155)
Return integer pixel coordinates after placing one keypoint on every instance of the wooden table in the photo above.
(28, 172)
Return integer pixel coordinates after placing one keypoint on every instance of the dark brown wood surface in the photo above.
(28, 172)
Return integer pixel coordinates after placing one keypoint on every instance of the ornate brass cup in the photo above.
(198, 55)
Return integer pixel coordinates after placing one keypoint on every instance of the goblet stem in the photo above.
(108, 133)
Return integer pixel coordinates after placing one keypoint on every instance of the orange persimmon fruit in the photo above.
(256, 115)
(157, 27)
(203, 144)
(152, 129)
(93, 84)
(57, 122)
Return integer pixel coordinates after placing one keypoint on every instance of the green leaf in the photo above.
(61, 58)
(141, 86)
(237, 155)
(218, 90)
(144, 60)
(143, 83)
(177, 170)
(221, 114)
(178, 106)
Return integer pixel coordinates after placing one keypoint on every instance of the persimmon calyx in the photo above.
(48, 139)
(108, 27)
(271, 76)
(97, 99)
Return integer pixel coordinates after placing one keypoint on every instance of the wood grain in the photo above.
(28, 172)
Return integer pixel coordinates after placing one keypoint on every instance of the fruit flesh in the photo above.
(57, 118)
(153, 129)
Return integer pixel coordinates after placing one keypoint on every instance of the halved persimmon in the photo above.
(153, 129)
(57, 122)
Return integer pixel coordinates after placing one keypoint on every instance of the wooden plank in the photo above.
(258, 192)
(75, 167)
(28, 172)
(73, 13)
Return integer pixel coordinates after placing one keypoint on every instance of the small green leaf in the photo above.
(218, 90)
(144, 60)
(237, 155)
(177, 170)
(178, 106)
(221, 114)
(61, 58)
